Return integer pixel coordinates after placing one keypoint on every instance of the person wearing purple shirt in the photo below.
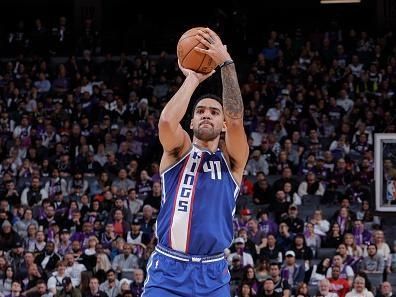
(361, 235)
(82, 237)
(267, 226)
(137, 285)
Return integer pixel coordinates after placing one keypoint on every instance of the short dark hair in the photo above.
(275, 264)
(206, 96)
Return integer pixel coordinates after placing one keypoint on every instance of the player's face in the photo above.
(208, 120)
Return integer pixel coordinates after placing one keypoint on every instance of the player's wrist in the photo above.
(193, 79)
(226, 63)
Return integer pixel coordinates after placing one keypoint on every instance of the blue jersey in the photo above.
(198, 204)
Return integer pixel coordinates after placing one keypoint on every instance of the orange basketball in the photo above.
(191, 59)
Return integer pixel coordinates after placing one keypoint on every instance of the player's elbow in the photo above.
(164, 122)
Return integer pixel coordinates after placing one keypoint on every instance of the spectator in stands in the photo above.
(268, 289)
(262, 269)
(344, 220)
(7, 280)
(359, 288)
(68, 289)
(118, 217)
(360, 234)
(55, 281)
(342, 173)
(271, 250)
(102, 266)
(291, 196)
(281, 285)
(267, 225)
(318, 272)
(147, 221)
(311, 186)
(33, 194)
(16, 290)
(261, 189)
(74, 269)
(250, 247)
(21, 226)
(8, 237)
(383, 249)
(324, 289)
(250, 279)
(372, 263)
(257, 163)
(385, 290)
(246, 258)
(346, 271)
(40, 290)
(236, 270)
(94, 290)
(292, 272)
(286, 177)
(122, 182)
(321, 225)
(366, 214)
(284, 237)
(112, 285)
(300, 248)
(311, 238)
(144, 186)
(279, 206)
(296, 225)
(154, 198)
(353, 249)
(136, 285)
(48, 259)
(302, 290)
(338, 285)
(124, 264)
(254, 233)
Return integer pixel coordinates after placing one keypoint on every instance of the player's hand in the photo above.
(191, 73)
(215, 47)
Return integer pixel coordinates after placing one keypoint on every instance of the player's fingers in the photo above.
(203, 40)
(212, 34)
(201, 50)
(207, 36)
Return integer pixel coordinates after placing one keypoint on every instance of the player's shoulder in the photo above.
(172, 158)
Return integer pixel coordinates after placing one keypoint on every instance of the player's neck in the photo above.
(211, 145)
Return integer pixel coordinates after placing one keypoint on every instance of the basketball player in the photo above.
(201, 181)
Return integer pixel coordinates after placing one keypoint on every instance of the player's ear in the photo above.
(224, 128)
(191, 124)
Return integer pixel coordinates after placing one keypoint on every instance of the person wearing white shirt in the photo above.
(245, 258)
(324, 288)
(359, 289)
(74, 269)
(55, 281)
(345, 102)
(273, 114)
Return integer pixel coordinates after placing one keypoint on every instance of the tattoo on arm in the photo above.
(232, 98)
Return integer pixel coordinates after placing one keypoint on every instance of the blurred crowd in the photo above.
(80, 183)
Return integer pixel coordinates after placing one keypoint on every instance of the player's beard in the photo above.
(206, 134)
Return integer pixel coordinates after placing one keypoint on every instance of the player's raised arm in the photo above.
(173, 137)
(236, 142)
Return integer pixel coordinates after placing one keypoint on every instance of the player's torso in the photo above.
(198, 203)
